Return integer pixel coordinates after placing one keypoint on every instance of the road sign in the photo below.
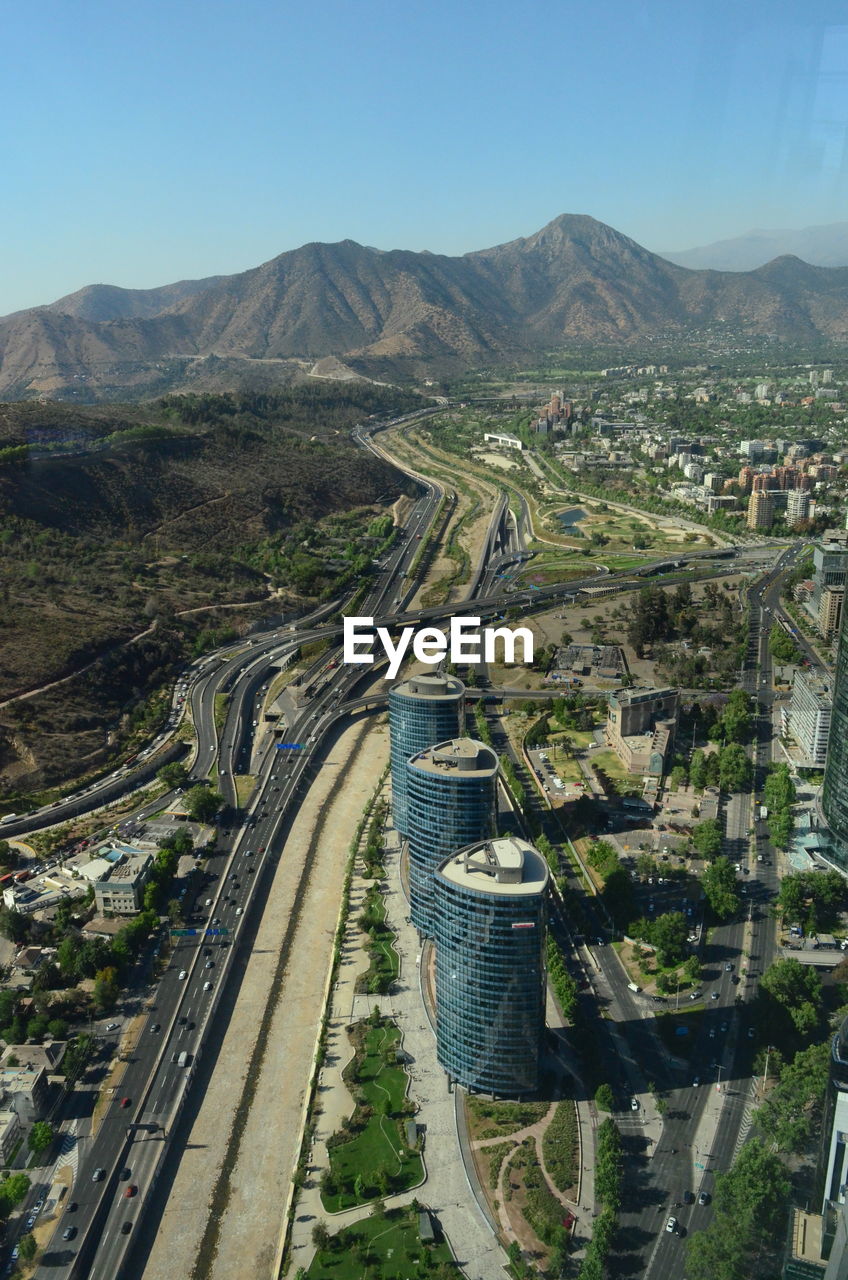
(183, 933)
(698, 1165)
(289, 746)
(215, 932)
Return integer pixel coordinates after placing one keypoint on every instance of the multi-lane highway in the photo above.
(134, 1136)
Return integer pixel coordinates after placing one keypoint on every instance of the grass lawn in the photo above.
(375, 1159)
(245, 782)
(582, 738)
(222, 703)
(385, 962)
(625, 783)
(379, 1247)
(490, 1119)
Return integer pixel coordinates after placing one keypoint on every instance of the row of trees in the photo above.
(779, 795)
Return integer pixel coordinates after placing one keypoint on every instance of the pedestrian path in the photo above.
(445, 1189)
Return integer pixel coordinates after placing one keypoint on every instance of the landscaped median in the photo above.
(371, 1155)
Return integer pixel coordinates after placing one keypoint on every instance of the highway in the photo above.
(188, 999)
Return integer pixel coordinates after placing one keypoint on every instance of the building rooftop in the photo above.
(508, 866)
(458, 755)
(431, 684)
(627, 697)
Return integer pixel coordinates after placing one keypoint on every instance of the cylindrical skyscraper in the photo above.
(422, 710)
(451, 792)
(489, 928)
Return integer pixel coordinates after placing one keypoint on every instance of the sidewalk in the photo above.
(445, 1189)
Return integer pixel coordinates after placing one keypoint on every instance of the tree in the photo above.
(13, 1190)
(14, 925)
(797, 989)
(106, 988)
(27, 1247)
(735, 770)
(791, 1113)
(202, 803)
(669, 934)
(720, 888)
(40, 1136)
(707, 839)
(320, 1235)
(697, 770)
(174, 774)
(604, 1098)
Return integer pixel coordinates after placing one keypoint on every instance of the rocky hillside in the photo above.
(127, 534)
(575, 281)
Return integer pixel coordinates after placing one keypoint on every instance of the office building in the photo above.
(422, 710)
(121, 875)
(451, 802)
(832, 801)
(809, 715)
(489, 928)
(830, 569)
(640, 728)
(833, 1155)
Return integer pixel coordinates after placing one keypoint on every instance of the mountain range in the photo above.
(825, 246)
(401, 315)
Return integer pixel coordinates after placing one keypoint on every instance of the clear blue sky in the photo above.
(145, 143)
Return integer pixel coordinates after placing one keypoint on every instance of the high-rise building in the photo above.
(797, 506)
(422, 710)
(833, 1153)
(833, 797)
(831, 604)
(489, 928)
(760, 510)
(809, 715)
(451, 802)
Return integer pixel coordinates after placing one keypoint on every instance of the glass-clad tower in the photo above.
(489, 930)
(834, 792)
(422, 710)
(451, 801)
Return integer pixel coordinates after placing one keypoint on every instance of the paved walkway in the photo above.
(445, 1189)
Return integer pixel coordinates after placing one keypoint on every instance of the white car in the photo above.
(671, 1225)
(207, 986)
(183, 975)
(112, 1026)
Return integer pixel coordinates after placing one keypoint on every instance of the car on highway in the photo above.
(72, 1207)
(69, 1233)
(714, 995)
(183, 975)
(688, 1197)
(98, 1175)
(112, 1026)
(671, 1225)
(125, 1173)
(207, 986)
(704, 1198)
(125, 1102)
(126, 1228)
(696, 1082)
(210, 964)
(750, 1033)
(155, 1029)
(634, 1104)
(130, 1192)
(728, 966)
